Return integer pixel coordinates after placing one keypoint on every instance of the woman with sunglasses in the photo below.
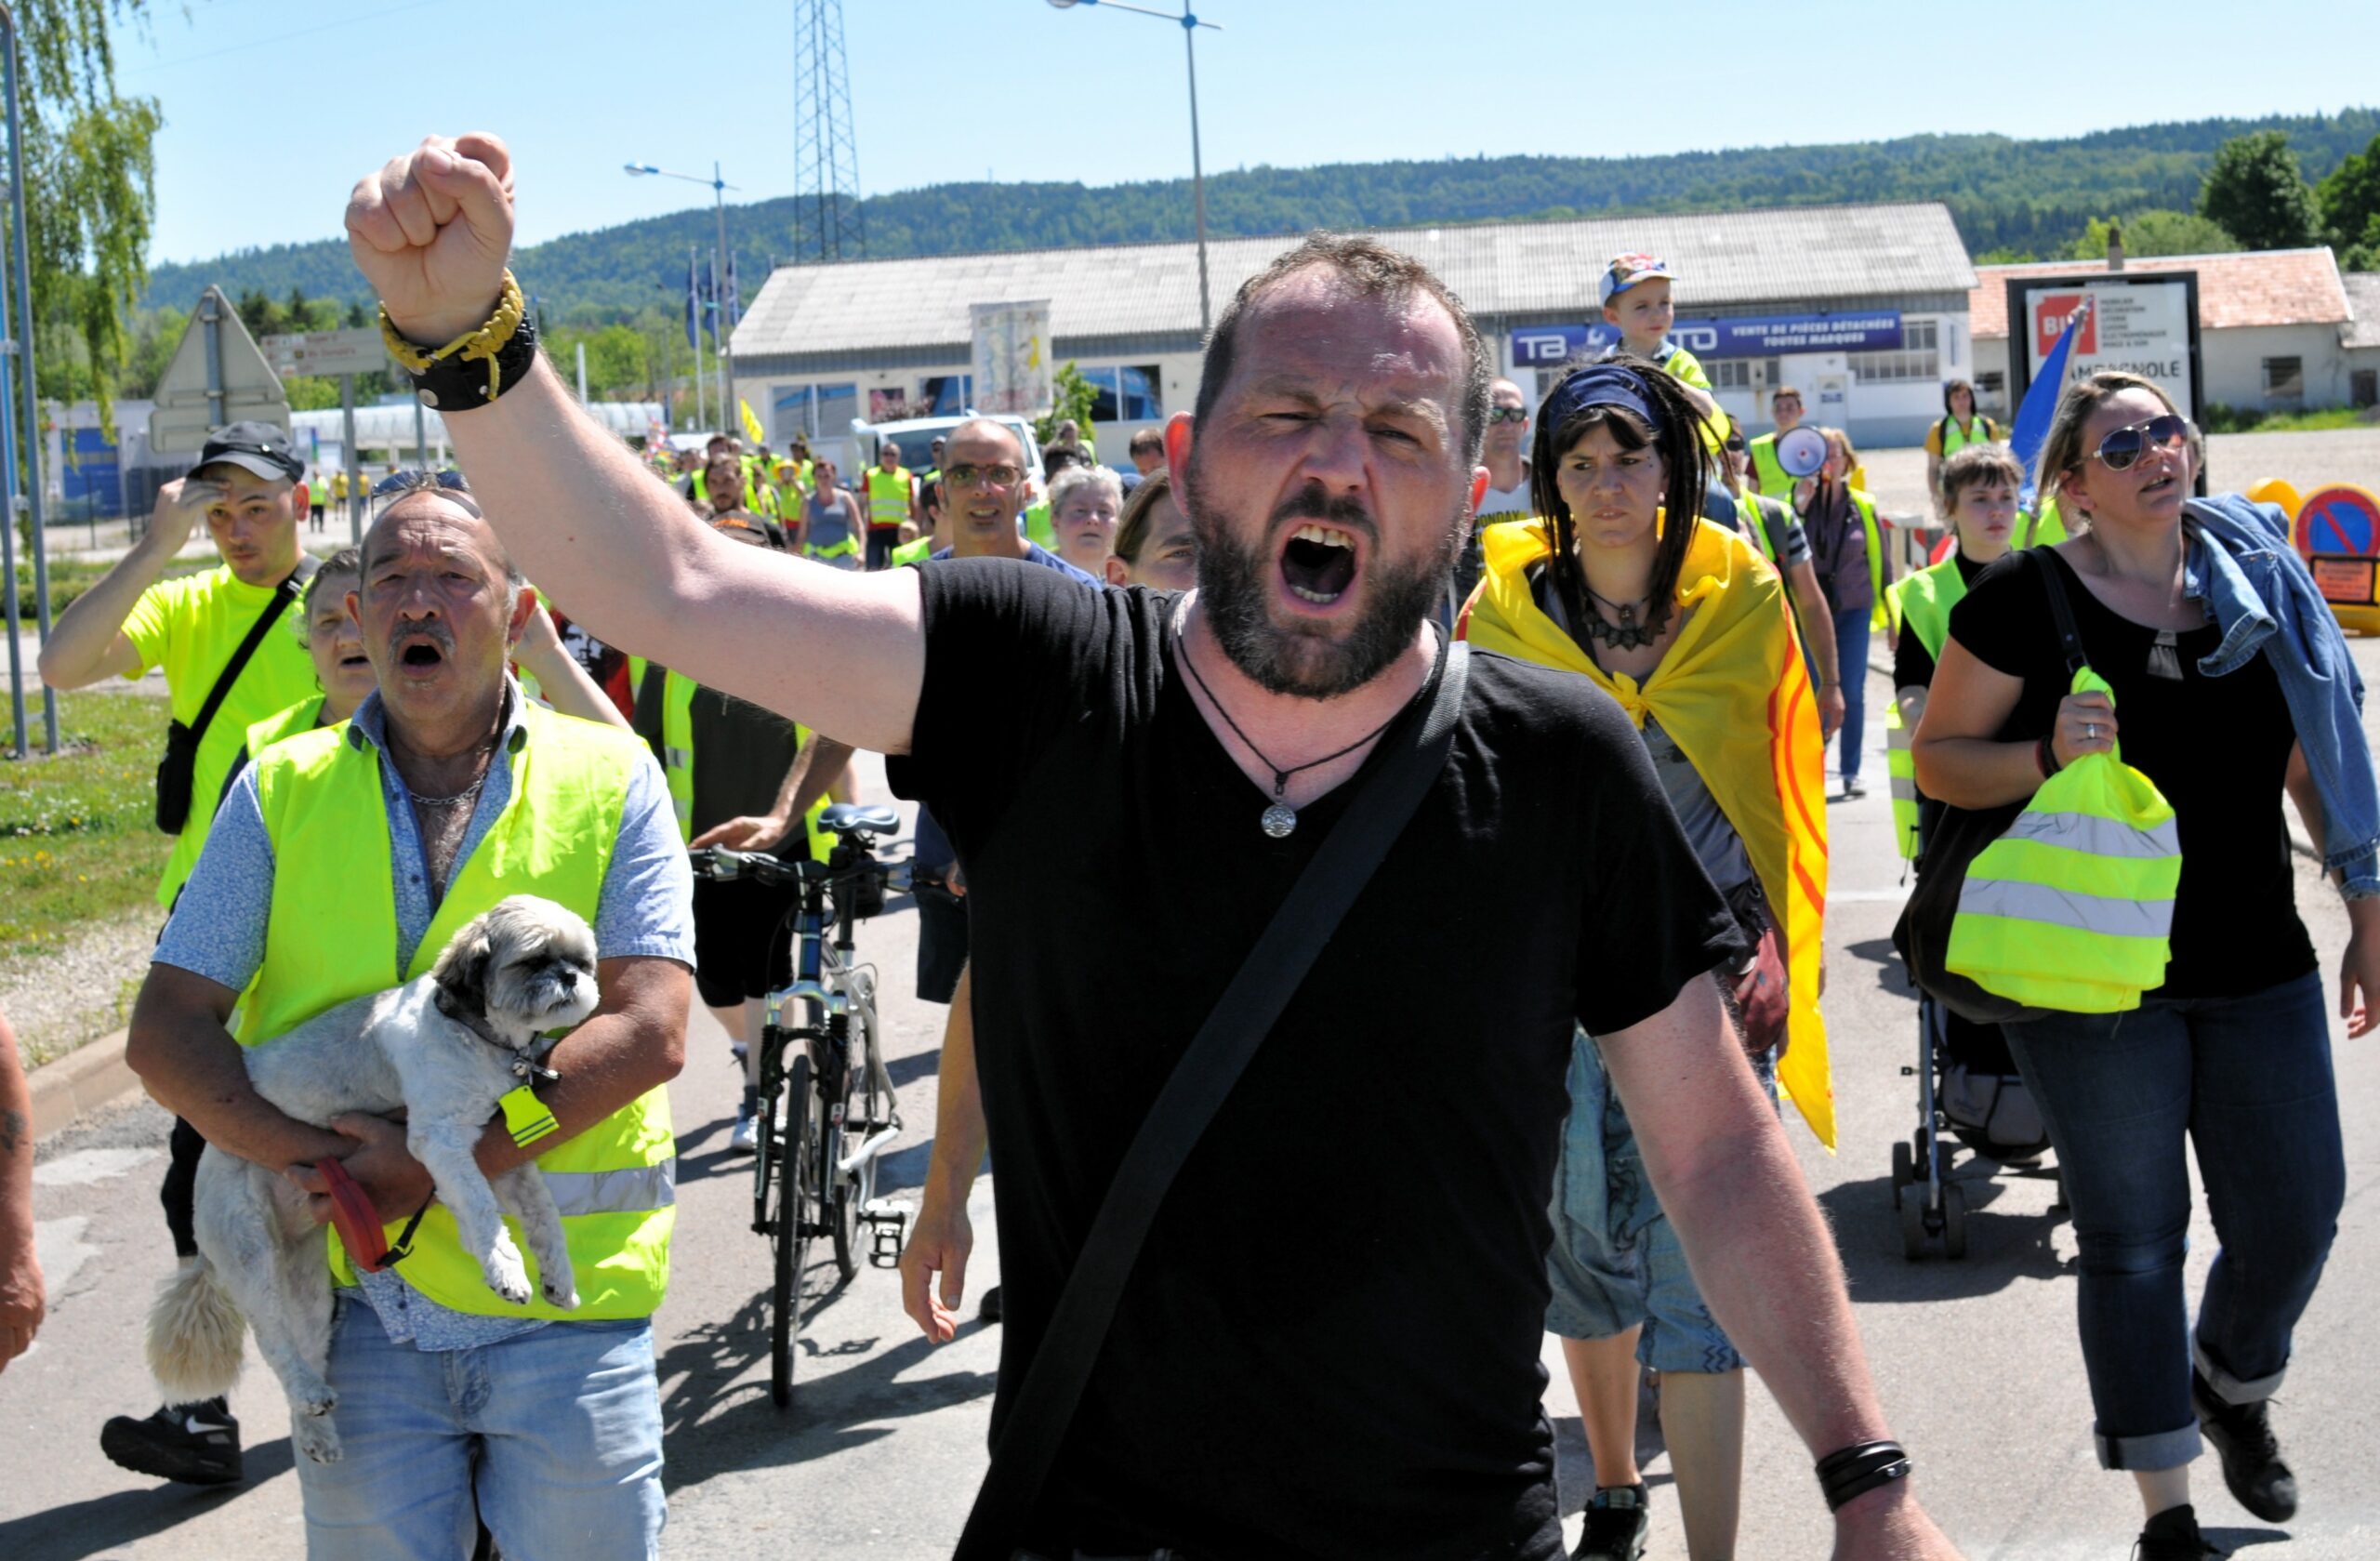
(1678, 619)
(2231, 682)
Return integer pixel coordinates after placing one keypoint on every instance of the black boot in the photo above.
(195, 1444)
(1618, 1525)
(2173, 1535)
(2252, 1465)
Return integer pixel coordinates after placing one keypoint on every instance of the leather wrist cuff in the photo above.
(1850, 1473)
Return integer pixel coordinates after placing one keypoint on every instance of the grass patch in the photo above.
(77, 840)
(2227, 420)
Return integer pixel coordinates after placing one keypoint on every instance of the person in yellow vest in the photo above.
(342, 863)
(246, 488)
(1960, 426)
(892, 495)
(1770, 525)
(1979, 496)
(1768, 476)
(2226, 685)
(736, 776)
(830, 525)
(1854, 568)
(1677, 619)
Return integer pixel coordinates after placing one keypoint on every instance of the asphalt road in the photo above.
(879, 1453)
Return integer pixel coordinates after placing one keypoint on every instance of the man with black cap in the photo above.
(248, 486)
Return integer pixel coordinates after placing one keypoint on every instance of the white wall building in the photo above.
(1862, 308)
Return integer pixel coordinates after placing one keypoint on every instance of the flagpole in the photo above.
(694, 334)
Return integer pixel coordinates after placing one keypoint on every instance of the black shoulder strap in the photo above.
(2070, 638)
(282, 595)
(1202, 1079)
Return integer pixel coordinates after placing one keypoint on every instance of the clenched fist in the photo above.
(431, 230)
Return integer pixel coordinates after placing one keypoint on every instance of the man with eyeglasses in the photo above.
(1508, 481)
(248, 486)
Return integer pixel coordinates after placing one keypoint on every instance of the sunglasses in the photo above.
(1733, 445)
(2122, 450)
(413, 481)
(1507, 415)
(965, 475)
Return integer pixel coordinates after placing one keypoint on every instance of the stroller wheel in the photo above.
(1954, 1220)
(1910, 1199)
(1904, 1170)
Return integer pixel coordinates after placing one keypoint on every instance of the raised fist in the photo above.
(431, 232)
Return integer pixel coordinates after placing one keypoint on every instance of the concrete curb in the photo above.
(80, 1083)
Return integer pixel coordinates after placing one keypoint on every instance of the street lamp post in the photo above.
(719, 188)
(1189, 24)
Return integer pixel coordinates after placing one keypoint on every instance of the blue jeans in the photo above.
(1851, 629)
(2247, 1082)
(551, 1437)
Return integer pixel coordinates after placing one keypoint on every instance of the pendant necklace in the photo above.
(1625, 635)
(1280, 818)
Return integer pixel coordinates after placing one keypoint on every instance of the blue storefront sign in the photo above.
(1757, 336)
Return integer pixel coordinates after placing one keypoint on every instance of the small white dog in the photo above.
(445, 1048)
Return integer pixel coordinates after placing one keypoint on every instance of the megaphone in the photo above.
(1800, 452)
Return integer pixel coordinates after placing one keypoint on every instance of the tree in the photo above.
(1070, 396)
(2154, 233)
(2349, 196)
(90, 179)
(2255, 191)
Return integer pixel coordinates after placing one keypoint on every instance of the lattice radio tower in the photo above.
(826, 157)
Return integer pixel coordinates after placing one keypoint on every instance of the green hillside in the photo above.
(2028, 196)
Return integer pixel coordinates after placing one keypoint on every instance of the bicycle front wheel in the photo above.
(790, 1225)
(864, 1109)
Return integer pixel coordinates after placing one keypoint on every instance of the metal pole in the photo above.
(8, 530)
(719, 338)
(582, 374)
(1198, 171)
(354, 471)
(31, 498)
(718, 335)
(697, 345)
(420, 436)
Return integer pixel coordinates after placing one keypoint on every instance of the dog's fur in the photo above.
(442, 1048)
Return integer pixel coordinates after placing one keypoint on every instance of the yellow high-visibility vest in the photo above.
(1955, 439)
(332, 936)
(2072, 909)
(1922, 605)
(888, 496)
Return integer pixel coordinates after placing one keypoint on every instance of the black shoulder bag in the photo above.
(174, 770)
(1238, 1025)
(1923, 936)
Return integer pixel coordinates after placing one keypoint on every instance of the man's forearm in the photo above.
(1817, 623)
(603, 1064)
(191, 1066)
(15, 1147)
(960, 1135)
(75, 654)
(826, 761)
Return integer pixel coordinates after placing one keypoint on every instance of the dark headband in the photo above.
(1602, 385)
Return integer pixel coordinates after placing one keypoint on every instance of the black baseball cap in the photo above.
(258, 447)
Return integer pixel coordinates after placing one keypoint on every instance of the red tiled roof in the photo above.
(2268, 287)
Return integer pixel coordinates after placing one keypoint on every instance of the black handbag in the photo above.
(1274, 968)
(174, 770)
(1923, 934)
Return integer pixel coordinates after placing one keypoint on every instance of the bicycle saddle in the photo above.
(859, 818)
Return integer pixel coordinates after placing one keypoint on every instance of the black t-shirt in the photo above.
(1912, 662)
(2217, 747)
(1329, 1345)
(741, 754)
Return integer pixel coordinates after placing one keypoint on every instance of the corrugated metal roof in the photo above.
(1800, 257)
(2262, 287)
(2363, 305)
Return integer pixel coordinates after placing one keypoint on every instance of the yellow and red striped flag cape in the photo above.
(1733, 693)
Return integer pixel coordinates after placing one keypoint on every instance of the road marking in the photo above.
(86, 1166)
(1866, 896)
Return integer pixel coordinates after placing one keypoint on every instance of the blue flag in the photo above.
(734, 293)
(694, 307)
(2040, 407)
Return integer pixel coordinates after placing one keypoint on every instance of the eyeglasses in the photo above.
(967, 476)
(1733, 445)
(1507, 415)
(2123, 449)
(415, 481)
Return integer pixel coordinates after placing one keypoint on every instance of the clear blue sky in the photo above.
(304, 96)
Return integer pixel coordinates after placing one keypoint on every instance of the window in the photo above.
(1128, 393)
(2285, 379)
(1919, 357)
(814, 410)
(2364, 386)
(1990, 382)
(1730, 373)
(945, 395)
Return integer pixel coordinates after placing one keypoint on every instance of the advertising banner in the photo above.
(1751, 336)
(2143, 322)
(1011, 356)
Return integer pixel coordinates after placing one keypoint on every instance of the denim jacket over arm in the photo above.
(2240, 563)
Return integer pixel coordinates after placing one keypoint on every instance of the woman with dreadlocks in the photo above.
(1682, 622)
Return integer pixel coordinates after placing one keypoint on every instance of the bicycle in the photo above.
(822, 1060)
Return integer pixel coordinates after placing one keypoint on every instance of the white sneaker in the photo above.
(745, 1136)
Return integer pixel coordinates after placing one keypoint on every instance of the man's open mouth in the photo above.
(1318, 563)
(420, 651)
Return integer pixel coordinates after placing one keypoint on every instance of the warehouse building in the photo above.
(1864, 308)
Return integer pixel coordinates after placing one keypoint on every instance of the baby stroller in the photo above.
(1968, 1088)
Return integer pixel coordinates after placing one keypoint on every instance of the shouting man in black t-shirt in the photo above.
(1359, 1376)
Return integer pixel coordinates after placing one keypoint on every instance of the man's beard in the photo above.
(1235, 588)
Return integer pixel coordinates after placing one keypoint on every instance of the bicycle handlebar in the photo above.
(718, 862)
